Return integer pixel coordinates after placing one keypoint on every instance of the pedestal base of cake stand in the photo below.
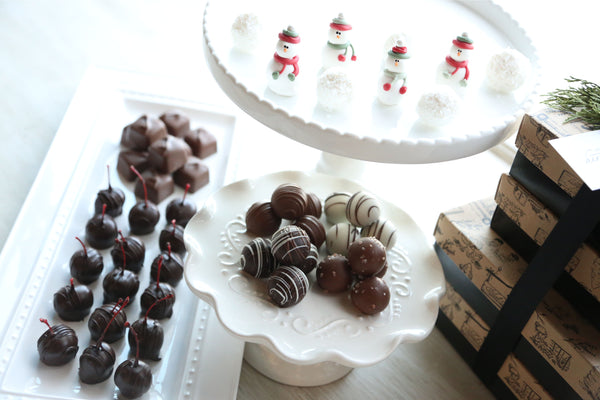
(345, 167)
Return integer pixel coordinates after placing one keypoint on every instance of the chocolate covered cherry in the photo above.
(86, 265)
(58, 345)
(133, 377)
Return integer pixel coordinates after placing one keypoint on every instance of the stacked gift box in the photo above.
(523, 312)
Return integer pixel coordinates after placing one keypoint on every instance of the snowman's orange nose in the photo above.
(395, 63)
(285, 50)
(337, 36)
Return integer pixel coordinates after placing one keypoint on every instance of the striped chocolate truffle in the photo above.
(313, 228)
(257, 259)
(287, 286)
(383, 230)
(313, 205)
(261, 219)
(311, 261)
(339, 237)
(289, 201)
(362, 209)
(335, 207)
(290, 245)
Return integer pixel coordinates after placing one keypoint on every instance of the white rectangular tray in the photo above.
(199, 359)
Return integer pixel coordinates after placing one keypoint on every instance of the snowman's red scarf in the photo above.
(458, 65)
(288, 61)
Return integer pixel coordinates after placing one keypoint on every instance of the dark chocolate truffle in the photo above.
(261, 219)
(143, 217)
(58, 345)
(101, 231)
(172, 234)
(127, 158)
(159, 186)
(73, 303)
(86, 265)
(151, 337)
(289, 201)
(119, 284)
(202, 142)
(155, 292)
(143, 132)
(113, 198)
(311, 261)
(133, 378)
(370, 295)
(102, 316)
(257, 259)
(290, 245)
(135, 253)
(313, 205)
(334, 274)
(287, 285)
(367, 256)
(96, 363)
(177, 123)
(169, 154)
(181, 210)
(195, 172)
(172, 268)
(313, 228)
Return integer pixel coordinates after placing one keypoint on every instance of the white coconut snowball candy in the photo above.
(245, 32)
(334, 89)
(438, 106)
(507, 70)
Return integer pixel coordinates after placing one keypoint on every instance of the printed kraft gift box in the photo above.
(524, 222)
(557, 345)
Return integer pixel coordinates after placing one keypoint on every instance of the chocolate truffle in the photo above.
(195, 172)
(135, 253)
(290, 245)
(382, 271)
(143, 132)
(113, 198)
(181, 210)
(133, 378)
(313, 205)
(151, 337)
(177, 123)
(101, 317)
(311, 261)
(362, 209)
(289, 201)
(169, 154)
(287, 285)
(172, 234)
(127, 158)
(202, 142)
(261, 219)
(257, 259)
(313, 228)
(172, 268)
(335, 207)
(367, 256)
(154, 292)
(383, 230)
(119, 284)
(143, 217)
(58, 345)
(96, 363)
(339, 237)
(101, 230)
(86, 265)
(73, 303)
(159, 186)
(334, 274)
(370, 295)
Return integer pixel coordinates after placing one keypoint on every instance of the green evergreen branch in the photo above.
(581, 102)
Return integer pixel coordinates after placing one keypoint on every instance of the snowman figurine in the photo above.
(392, 84)
(283, 70)
(335, 53)
(455, 69)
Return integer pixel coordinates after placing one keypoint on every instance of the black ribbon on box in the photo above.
(547, 265)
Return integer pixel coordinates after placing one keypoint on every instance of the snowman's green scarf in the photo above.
(395, 75)
(341, 46)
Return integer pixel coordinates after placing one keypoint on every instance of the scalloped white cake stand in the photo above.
(323, 337)
(367, 130)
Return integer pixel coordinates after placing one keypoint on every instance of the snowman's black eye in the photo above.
(338, 32)
(285, 47)
(396, 60)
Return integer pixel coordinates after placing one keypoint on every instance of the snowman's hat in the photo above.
(289, 35)
(399, 50)
(463, 41)
(340, 23)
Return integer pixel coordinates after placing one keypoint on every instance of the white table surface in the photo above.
(46, 47)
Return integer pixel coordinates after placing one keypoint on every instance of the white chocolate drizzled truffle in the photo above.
(340, 237)
(362, 209)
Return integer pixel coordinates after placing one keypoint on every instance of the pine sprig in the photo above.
(581, 102)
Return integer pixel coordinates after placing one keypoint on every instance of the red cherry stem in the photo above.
(125, 302)
(135, 171)
(187, 188)
(169, 248)
(169, 296)
(45, 321)
(121, 234)
(103, 212)
(137, 344)
(174, 223)
(116, 305)
(108, 173)
(72, 286)
(160, 262)
(83, 245)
